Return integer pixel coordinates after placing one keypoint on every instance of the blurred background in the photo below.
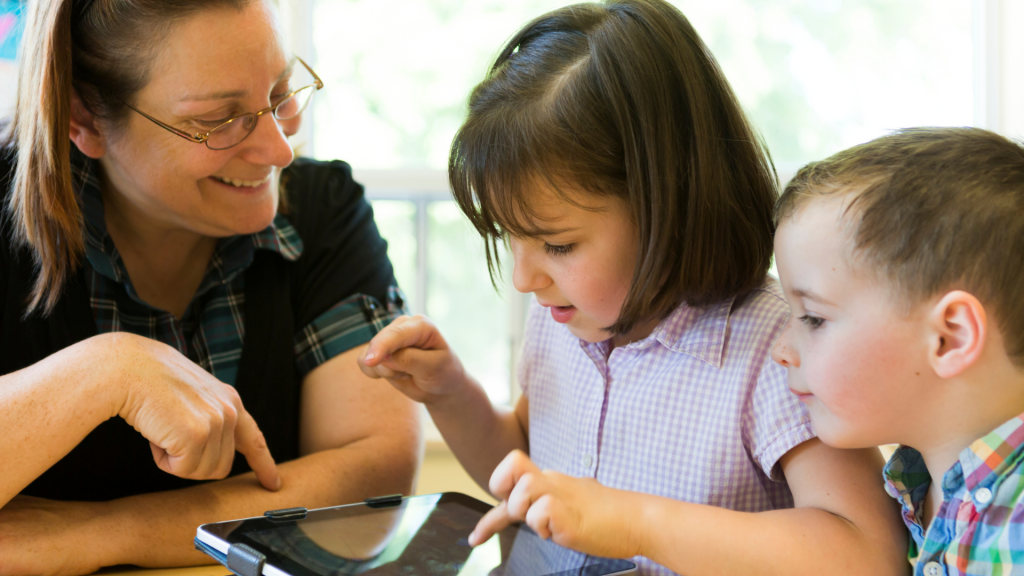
(815, 77)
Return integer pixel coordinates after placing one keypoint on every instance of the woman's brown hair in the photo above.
(101, 50)
(623, 99)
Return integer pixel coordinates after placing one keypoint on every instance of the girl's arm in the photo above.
(360, 439)
(413, 356)
(843, 522)
(194, 422)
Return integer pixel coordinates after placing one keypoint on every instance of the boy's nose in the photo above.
(783, 352)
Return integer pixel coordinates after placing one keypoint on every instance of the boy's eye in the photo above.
(556, 250)
(813, 321)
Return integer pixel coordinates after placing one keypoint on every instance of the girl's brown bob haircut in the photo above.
(623, 99)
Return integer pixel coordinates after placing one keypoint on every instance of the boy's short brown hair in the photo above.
(933, 209)
(623, 99)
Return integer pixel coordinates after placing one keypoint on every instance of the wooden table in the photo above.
(214, 570)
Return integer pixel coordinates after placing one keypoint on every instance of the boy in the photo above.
(903, 263)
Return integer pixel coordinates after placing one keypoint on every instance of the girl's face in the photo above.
(212, 66)
(582, 266)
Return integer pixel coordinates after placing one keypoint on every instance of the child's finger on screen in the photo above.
(493, 522)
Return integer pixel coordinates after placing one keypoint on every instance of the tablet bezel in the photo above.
(216, 535)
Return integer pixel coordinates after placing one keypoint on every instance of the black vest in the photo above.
(343, 254)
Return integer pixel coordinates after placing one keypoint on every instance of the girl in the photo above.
(607, 149)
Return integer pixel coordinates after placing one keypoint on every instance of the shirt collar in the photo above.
(906, 477)
(992, 455)
(232, 256)
(699, 332)
(980, 465)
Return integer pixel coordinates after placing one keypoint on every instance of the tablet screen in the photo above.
(422, 535)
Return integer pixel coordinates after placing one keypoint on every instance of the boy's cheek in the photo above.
(841, 428)
(830, 429)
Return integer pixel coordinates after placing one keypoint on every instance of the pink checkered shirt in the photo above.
(697, 411)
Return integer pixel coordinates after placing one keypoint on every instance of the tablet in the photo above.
(401, 536)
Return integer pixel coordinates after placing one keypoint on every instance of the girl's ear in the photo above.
(85, 131)
(959, 329)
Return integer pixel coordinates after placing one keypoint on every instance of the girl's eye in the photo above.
(813, 321)
(558, 250)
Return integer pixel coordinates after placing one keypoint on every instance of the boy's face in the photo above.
(857, 361)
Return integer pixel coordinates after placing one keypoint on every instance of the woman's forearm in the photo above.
(700, 540)
(479, 433)
(48, 408)
(157, 530)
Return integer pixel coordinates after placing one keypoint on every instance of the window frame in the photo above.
(423, 186)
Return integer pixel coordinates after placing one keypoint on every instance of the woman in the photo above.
(165, 302)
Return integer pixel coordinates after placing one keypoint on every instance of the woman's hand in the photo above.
(412, 355)
(577, 513)
(194, 422)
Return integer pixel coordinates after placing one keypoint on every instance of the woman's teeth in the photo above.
(242, 183)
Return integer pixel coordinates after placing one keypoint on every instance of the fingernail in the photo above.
(278, 484)
(369, 356)
(472, 538)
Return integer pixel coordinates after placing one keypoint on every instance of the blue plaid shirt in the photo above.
(979, 526)
(212, 329)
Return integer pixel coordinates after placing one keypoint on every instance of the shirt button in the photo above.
(983, 496)
(933, 569)
(588, 461)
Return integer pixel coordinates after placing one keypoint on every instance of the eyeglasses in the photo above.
(232, 131)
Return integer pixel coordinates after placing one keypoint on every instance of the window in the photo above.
(10, 35)
(815, 77)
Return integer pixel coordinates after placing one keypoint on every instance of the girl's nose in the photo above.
(526, 275)
(783, 351)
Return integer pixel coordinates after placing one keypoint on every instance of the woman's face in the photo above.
(211, 67)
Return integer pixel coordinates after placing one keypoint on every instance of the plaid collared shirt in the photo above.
(212, 330)
(979, 527)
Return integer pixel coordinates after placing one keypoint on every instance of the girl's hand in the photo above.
(194, 422)
(412, 355)
(577, 513)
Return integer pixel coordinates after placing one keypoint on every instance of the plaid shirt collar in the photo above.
(980, 466)
(232, 256)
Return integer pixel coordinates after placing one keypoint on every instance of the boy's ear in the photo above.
(959, 329)
(85, 130)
